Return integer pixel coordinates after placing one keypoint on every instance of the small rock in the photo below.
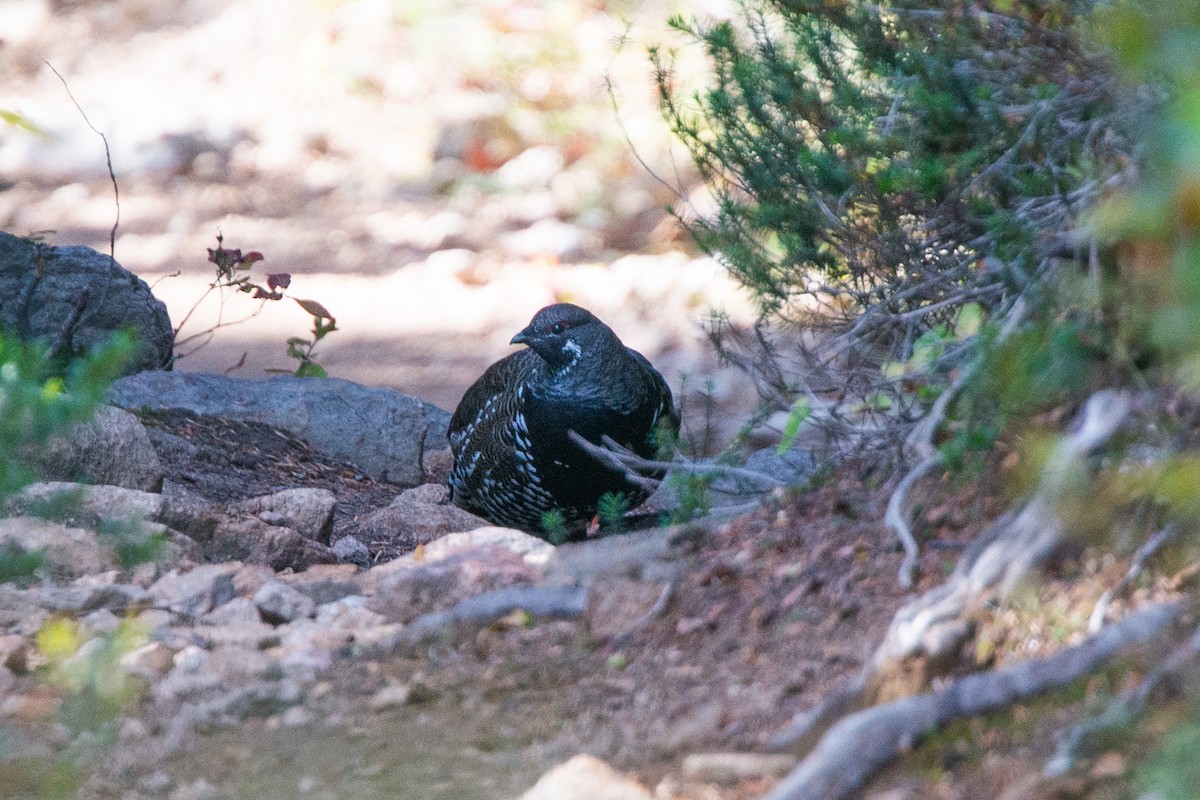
(255, 542)
(112, 449)
(279, 603)
(190, 659)
(392, 696)
(156, 783)
(533, 550)
(238, 611)
(14, 652)
(196, 790)
(150, 661)
(118, 598)
(416, 517)
(101, 621)
(250, 578)
(730, 768)
(349, 612)
(309, 512)
(349, 550)
(198, 591)
(255, 636)
(90, 505)
(132, 729)
(324, 583)
(586, 778)
(68, 551)
(296, 717)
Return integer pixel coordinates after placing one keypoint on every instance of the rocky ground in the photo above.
(220, 638)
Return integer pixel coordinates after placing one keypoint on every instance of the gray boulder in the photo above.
(112, 449)
(380, 431)
(77, 297)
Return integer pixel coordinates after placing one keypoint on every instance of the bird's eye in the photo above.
(558, 327)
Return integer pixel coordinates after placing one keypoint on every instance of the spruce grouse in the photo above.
(513, 458)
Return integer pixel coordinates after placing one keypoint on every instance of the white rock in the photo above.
(586, 778)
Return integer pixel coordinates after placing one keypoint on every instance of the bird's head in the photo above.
(563, 332)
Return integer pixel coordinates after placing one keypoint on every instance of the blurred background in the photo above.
(431, 172)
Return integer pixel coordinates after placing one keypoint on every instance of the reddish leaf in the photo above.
(279, 280)
(250, 258)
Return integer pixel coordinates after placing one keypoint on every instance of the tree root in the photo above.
(1089, 736)
(853, 749)
(932, 625)
(559, 602)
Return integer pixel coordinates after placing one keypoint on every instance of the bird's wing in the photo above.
(492, 397)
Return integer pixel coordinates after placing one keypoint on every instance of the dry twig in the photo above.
(1171, 673)
(920, 444)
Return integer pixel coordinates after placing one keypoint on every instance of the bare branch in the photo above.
(920, 442)
(556, 602)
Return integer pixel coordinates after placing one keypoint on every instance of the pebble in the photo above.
(150, 661)
(190, 659)
(351, 551)
(392, 696)
(279, 603)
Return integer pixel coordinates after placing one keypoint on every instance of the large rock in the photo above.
(112, 449)
(380, 431)
(43, 287)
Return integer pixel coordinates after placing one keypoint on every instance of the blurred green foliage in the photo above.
(849, 143)
(879, 170)
(40, 398)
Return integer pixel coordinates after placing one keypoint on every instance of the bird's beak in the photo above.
(522, 338)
